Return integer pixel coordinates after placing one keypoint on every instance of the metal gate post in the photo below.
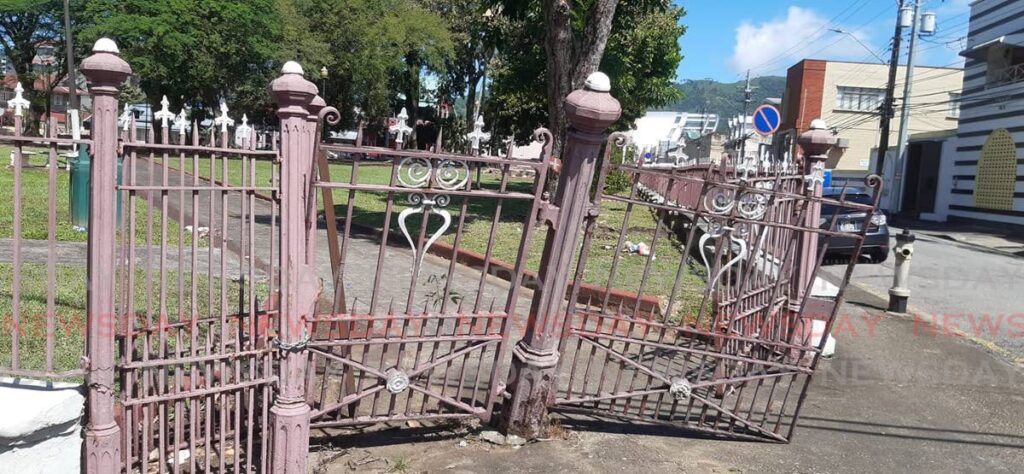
(106, 72)
(532, 379)
(816, 144)
(299, 287)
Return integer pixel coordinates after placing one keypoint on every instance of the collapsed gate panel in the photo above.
(701, 320)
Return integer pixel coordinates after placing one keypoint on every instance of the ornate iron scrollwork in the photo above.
(396, 381)
(417, 173)
(680, 389)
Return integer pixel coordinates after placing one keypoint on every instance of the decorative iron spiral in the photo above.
(752, 205)
(719, 200)
(452, 174)
(414, 172)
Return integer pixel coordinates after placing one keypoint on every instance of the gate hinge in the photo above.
(548, 214)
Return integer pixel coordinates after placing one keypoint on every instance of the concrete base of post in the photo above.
(533, 375)
(290, 421)
(103, 448)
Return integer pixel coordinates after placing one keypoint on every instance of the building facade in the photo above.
(665, 137)
(983, 178)
(849, 97)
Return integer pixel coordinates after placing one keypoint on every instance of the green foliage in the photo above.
(641, 59)
(723, 98)
(617, 182)
(199, 51)
(193, 51)
(371, 49)
(130, 94)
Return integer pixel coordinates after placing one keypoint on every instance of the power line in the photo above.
(815, 36)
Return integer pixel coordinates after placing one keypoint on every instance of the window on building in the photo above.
(1005, 65)
(954, 106)
(860, 99)
(58, 99)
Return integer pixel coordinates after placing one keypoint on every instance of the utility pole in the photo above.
(747, 98)
(897, 186)
(888, 109)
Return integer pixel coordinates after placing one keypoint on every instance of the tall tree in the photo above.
(640, 56)
(25, 26)
(194, 51)
(374, 49)
(573, 53)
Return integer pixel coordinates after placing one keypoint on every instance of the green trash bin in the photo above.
(79, 189)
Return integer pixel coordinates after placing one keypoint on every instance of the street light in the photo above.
(855, 38)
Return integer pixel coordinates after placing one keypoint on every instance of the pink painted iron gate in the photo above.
(218, 331)
(410, 332)
(729, 349)
(197, 242)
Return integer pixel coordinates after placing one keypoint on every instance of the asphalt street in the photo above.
(963, 290)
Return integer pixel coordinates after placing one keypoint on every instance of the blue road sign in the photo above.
(767, 120)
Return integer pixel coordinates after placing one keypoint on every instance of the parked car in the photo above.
(876, 241)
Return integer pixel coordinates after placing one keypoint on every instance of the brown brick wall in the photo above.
(805, 86)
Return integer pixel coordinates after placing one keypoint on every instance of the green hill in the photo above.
(724, 99)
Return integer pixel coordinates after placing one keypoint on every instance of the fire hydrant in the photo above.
(900, 291)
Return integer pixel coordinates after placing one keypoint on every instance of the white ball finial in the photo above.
(292, 67)
(598, 82)
(105, 45)
(818, 124)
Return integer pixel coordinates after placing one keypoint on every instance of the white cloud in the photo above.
(773, 46)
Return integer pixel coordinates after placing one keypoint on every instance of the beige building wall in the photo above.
(929, 105)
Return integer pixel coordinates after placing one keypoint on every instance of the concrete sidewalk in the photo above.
(1002, 239)
(894, 399)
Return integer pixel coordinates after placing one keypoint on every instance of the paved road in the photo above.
(960, 288)
(887, 402)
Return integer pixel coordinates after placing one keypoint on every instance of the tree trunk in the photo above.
(473, 82)
(558, 46)
(412, 95)
(569, 60)
(595, 38)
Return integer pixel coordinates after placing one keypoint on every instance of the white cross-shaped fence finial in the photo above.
(478, 135)
(816, 177)
(18, 102)
(745, 166)
(401, 128)
(224, 121)
(243, 132)
(125, 120)
(164, 114)
(181, 123)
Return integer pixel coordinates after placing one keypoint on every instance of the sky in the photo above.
(724, 38)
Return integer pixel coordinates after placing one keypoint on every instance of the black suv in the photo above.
(876, 241)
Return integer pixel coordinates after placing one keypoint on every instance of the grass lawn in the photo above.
(35, 203)
(69, 310)
(481, 213)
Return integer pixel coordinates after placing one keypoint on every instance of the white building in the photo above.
(664, 135)
(981, 173)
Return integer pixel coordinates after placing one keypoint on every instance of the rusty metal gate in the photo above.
(219, 331)
(418, 323)
(197, 237)
(716, 333)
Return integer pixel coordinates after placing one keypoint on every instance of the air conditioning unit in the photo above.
(843, 143)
